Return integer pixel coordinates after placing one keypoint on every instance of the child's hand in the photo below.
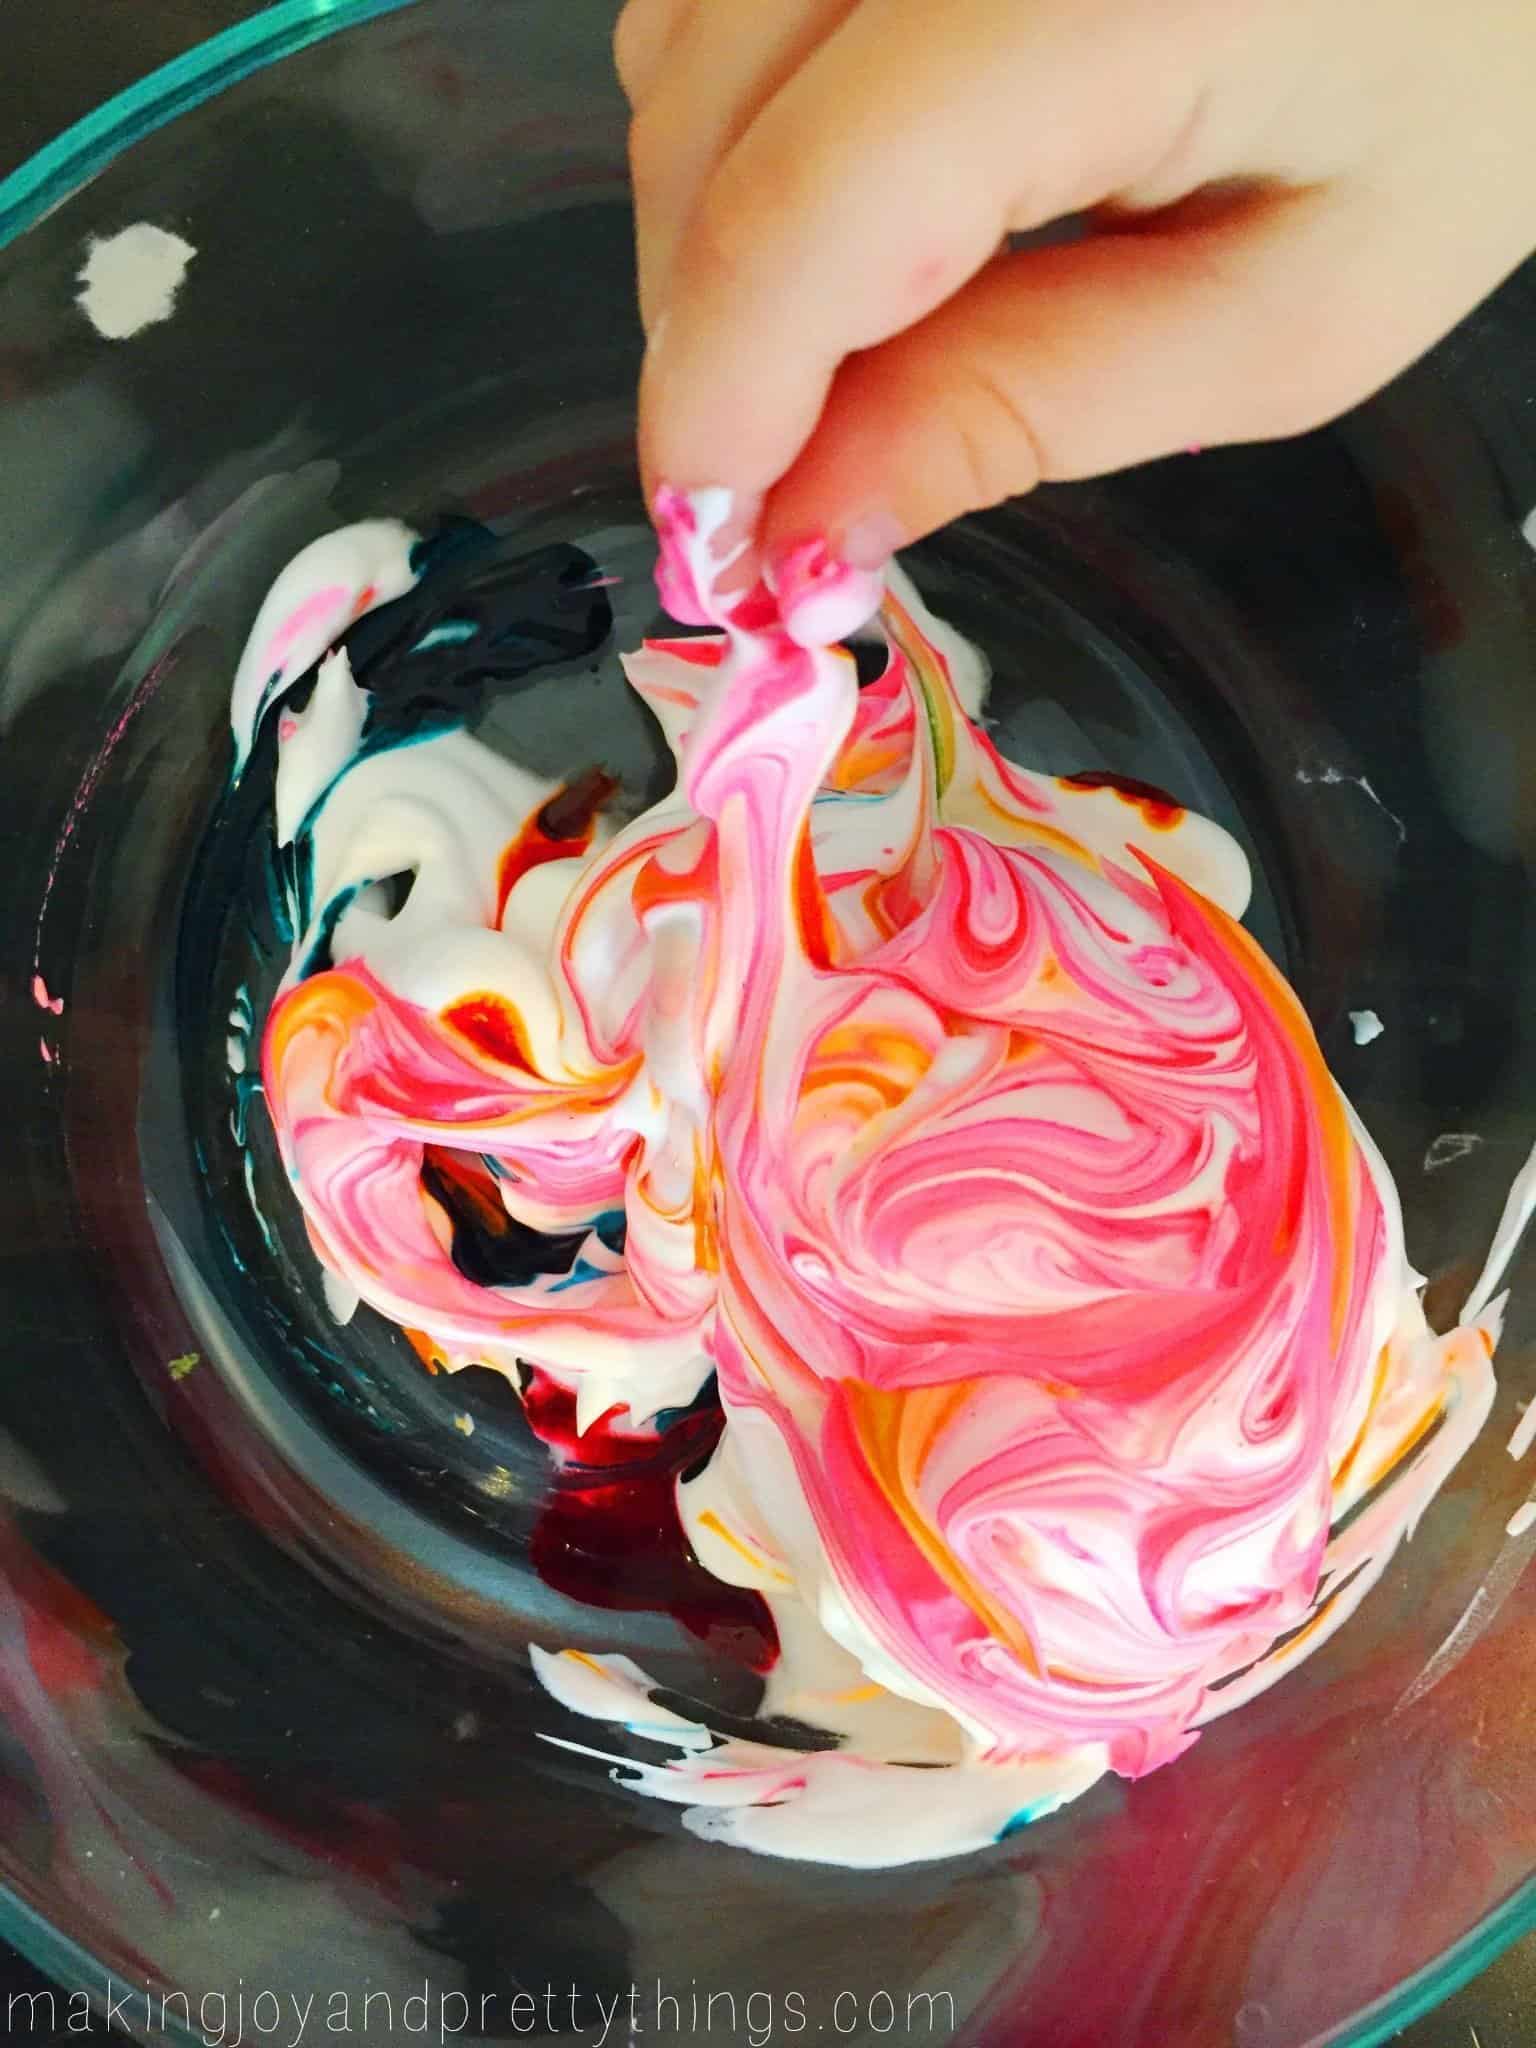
(1291, 199)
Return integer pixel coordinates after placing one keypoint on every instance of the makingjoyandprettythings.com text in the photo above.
(608, 2019)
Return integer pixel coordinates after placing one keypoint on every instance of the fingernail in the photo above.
(676, 529)
(869, 541)
(726, 521)
(822, 597)
(740, 528)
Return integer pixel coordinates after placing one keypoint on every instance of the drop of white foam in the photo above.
(341, 1297)
(1366, 1026)
(130, 280)
(1523, 1435)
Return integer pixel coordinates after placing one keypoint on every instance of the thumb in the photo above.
(1073, 360)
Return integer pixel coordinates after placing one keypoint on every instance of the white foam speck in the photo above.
(341, 1297)
(1519, 1207)
(1528, 528)
(130, 280)
(1524, 1433)
(1366, 1026)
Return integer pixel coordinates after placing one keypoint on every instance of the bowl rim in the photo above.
(44, 181)
(66, 164)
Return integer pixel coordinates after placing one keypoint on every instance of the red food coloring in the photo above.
(707, 650)
(1156, 806)
(757, 611)
(560, 831)
(811, 913)
(493, 1027)
(610, 1536)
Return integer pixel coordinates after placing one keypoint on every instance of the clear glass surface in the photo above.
(266, 1720)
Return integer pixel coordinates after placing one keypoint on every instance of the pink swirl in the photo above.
(1049, 1250)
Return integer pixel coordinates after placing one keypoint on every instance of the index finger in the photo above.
(869, 189)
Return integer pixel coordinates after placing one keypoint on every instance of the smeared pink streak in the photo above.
(325, 606)
(143, 690)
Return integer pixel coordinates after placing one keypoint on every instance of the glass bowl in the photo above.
(267, 1727)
